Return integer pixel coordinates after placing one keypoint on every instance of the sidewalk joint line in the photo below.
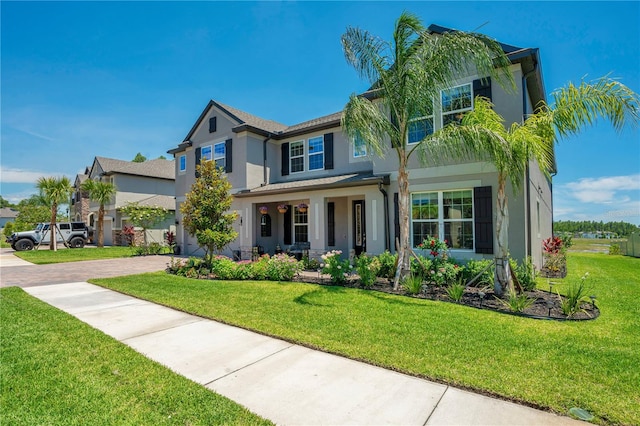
(436, 406)
(249, 365)
(195, 320)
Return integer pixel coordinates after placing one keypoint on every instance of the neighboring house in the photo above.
(7, 215)
(149, 183)
(80, 199)
(352, 195)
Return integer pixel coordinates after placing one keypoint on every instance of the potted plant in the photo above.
(282, 208)
(263, 209)
(302, 207)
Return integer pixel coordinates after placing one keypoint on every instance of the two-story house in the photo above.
(334, 194)
(149, 183)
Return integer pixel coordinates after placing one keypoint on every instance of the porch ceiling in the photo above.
(340, 181)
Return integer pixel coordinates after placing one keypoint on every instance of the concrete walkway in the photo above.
(286, 383)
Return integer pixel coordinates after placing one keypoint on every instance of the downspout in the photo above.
(264, 159)
(385, 180)
(529, 248)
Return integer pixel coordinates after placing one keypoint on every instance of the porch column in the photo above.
(317, 225)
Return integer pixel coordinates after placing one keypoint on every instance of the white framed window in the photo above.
(182, 162)
(219, 154)
(316, 153)
(455, 102)
(447, 215)
(420, 126)
(296, 156)
(206, 153)
(300, 225)
(359, 147)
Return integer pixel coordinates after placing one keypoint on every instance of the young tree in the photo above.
(101, 193)
(144, 217)
(206, 210)
(483, 135)
(54, 191)
(406, 75)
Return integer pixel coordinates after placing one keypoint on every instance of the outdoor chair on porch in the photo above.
(299, 249)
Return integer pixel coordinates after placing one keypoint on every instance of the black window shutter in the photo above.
(213, 124)
(482, 87)
(198, 158)
(285, 158)
(228, 156)
(483, 217)
(396, 215)
(287, 225)
(328, 151)
(331, 224)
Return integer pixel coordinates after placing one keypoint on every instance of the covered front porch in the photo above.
(301, 218)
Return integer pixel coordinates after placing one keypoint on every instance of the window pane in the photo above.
(316, 161)
(297, 164)
(456, 98)
(457, 205)
(205, 153)
(183, 163)
(297, 149)
(359, 147)
(422, 230)
(300, 227)
(424, 206)
(459, 235)
(419, 129)
(219, 150)
(316, 145)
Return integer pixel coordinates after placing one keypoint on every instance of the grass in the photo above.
(57, 370)
(594, 365)
(593, 244)
(62, 255)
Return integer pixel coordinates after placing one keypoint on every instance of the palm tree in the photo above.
(512, 150)
(54, 191)
(101, 193)
(406, 75)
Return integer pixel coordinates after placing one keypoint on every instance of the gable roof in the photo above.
(158, 168)
(6, 212)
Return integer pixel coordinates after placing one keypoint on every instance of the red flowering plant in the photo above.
(554, 258)
(436, 247)
(553, 245)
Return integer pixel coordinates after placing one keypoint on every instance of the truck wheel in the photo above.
(76, 242)
(24, 244)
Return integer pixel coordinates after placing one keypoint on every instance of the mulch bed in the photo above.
(538, 310)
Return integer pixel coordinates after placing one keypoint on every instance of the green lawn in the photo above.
(41, 257)
(557, 365)
(56, 370)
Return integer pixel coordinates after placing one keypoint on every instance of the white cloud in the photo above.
(10, 175)
(603, 190)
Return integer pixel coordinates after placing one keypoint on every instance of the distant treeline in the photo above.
(622, 229)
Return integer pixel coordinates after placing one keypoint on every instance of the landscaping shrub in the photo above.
(442, 273)
(614, 249)
(525, 272)
(455, 291)
(517, 302)
(223, 268)
(387, 264)
(577, 294)
(474, 267)
(283, 267)
(412, 284)
(367, 267)
(337, 268)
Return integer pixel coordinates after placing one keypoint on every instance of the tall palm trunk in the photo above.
(101, 226)
(503, 271)
(404, 257)
(52, 228)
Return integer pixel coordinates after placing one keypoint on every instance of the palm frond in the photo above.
(365, 53)
(365, 119)
(576, 107)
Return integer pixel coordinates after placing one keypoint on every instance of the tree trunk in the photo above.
(503, 279)
(101, 226)
(52, 228)
(404, 259)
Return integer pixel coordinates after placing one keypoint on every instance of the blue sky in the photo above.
(85, 79)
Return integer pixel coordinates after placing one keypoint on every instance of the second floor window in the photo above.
(183, 163)
(206, 153)
(296, 156)
(359, 147)
(455, 102)
(219, 154)
(316, 153)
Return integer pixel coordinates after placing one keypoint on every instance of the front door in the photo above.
(359, 237)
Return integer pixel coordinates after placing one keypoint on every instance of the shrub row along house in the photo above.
(309, 187)
(149, 183)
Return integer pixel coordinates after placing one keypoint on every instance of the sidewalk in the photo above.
(286, 383)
